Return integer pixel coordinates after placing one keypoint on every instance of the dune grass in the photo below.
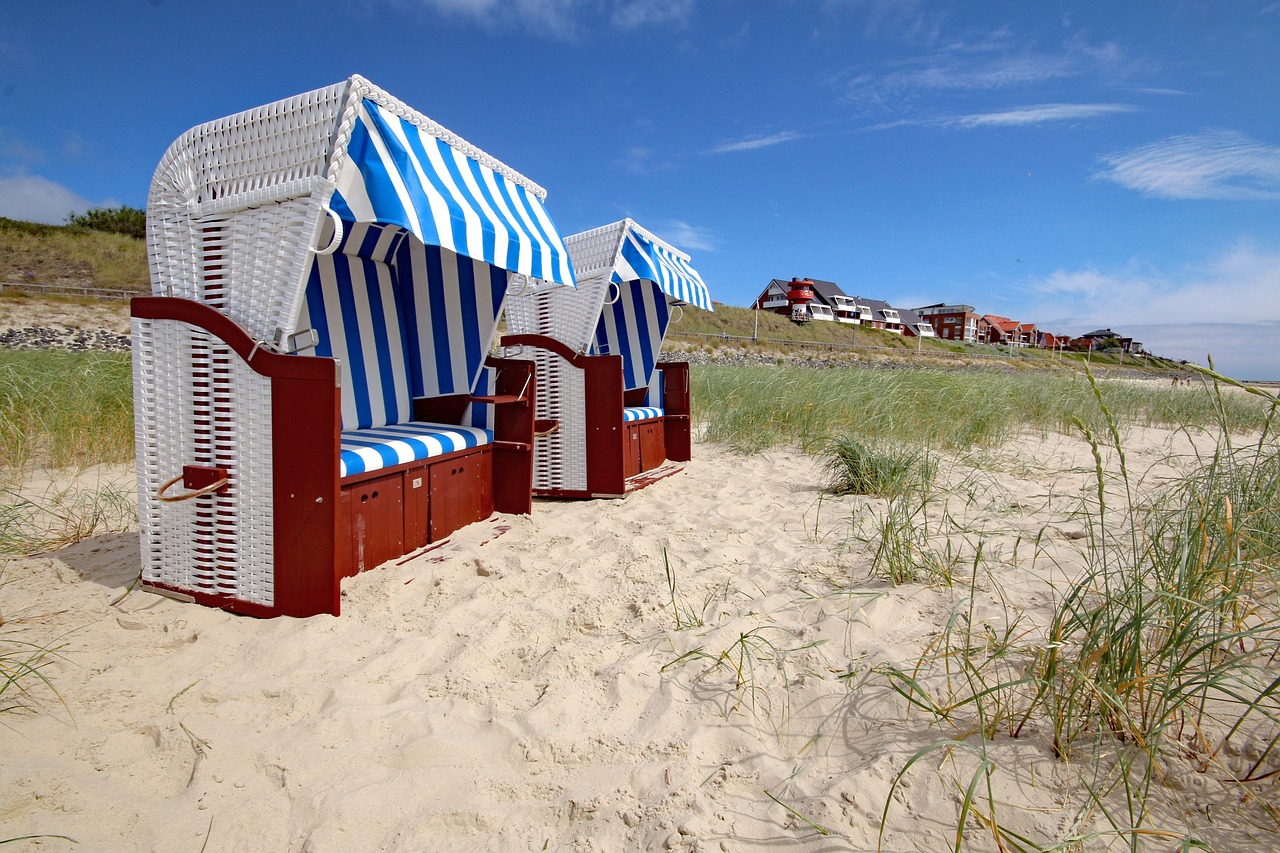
(1161, 653)
(756, 408)
(62, 409)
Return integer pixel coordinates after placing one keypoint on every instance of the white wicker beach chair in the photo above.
(618, 414)
(313, 390)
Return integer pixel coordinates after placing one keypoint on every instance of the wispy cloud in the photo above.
(993, 63)
(14, 147)
(560, 19)
(643, 160)
(632, 14)
(1037, 114)
(1014, 117)
(689, 238)
(910, 20)
(753, 142)
(1215, 164)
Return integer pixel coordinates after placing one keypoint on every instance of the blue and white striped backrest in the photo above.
(353, 304)
(451, 305)
(481, 414)
(653, 399)
(633, 327)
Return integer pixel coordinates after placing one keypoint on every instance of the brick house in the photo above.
(915, 326)
(951, 322)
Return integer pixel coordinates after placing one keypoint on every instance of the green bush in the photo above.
(126, 220)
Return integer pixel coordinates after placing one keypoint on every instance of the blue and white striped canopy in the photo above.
(398, 173)
(641, 258)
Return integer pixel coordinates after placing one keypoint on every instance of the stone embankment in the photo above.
(740, 356)
(76, 340)
(101, 340)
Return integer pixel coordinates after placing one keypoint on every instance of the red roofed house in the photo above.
(994, 329)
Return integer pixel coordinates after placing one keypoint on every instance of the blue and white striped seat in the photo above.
(640, 413)
(366, 450)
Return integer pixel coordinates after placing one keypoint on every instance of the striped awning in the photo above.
(398, 173)
(642, 258)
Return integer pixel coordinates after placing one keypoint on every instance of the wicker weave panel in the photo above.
(221, 228)
(197, 403)
(563, 313)
(560, 459)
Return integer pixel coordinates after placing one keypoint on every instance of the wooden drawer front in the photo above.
(631, 450)
(371, 523)
(652, 446)
(461, 492)
(417, 506)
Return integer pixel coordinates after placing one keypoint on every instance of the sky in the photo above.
(1076, 165)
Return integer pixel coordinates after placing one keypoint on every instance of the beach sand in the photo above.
(544, 682)
(697, 667)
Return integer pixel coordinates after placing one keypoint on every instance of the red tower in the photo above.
(799, 295)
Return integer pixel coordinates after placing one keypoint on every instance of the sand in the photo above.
(537, 684)
(697, 667)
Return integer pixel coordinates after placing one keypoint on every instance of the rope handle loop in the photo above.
(520, 285)
(678, 317)
(337, 233)
(212, 487)
(617, 293)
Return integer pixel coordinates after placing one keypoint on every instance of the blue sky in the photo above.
(1075, 165)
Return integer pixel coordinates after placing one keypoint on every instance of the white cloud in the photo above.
(1228, 307)
(1237, 349)
(1215, 164)
(38, 199)
(686, 237)
(1037, 114)
(1241, 285)
(14, 147)
(643, 160)
(565, 19)
(632, 14)
(752, 143)
(990, 64)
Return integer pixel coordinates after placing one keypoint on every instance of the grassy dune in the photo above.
(33, 253)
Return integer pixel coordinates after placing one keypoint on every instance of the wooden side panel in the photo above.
(305, 487)
(676, 405)
(304, 478)
(606, 438)
(513, 432)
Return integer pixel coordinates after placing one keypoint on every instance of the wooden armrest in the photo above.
(497, 399)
